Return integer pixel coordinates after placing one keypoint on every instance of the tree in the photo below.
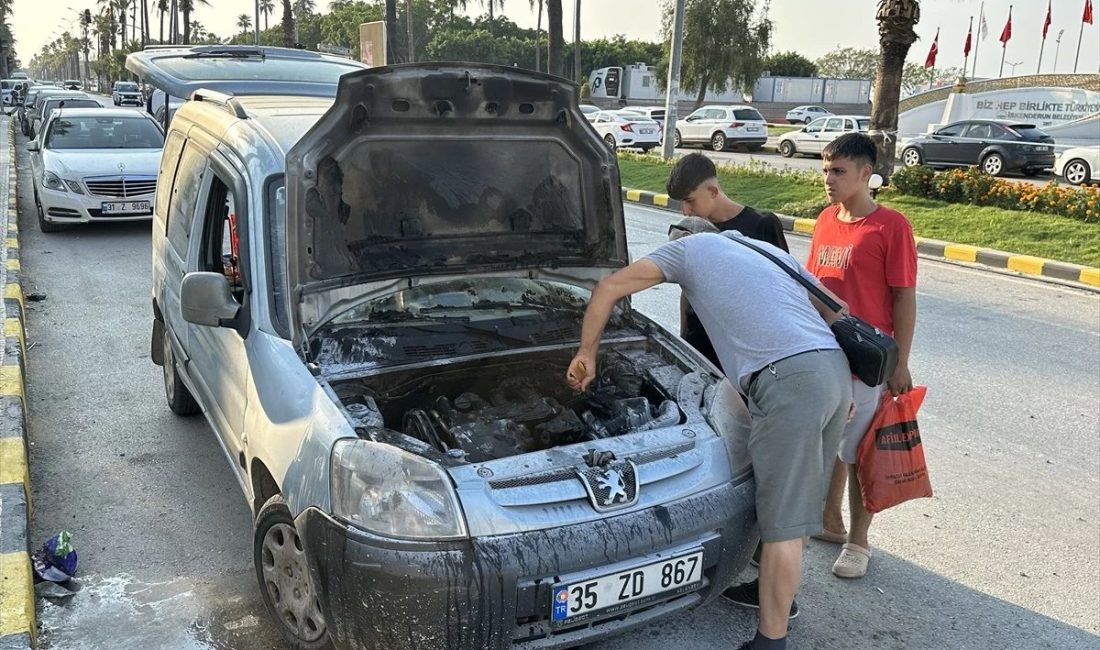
(896, 20)
(848, 63)
(557, 37)
(490, 3)
(186, 7)
(162, 8)
(391, 31)
(288, 24)
(267, 7)
(244, 23)
(789, 64)
(122, 6)
(724, 42)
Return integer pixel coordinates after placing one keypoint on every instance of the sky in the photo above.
(809, 27)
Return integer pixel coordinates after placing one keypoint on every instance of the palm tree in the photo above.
(896, 19)
(391, 28)
(244, 22)
(557, 38)
(490, 3)
(121, 7)
(288, 24)
(267, 7)
(162, 8)
(186, 7)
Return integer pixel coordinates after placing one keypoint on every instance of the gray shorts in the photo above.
(866, 399)
(799, 407)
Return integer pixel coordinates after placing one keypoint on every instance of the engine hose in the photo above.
(668, 414)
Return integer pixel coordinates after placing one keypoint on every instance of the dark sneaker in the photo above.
(747, 645)
(747, 594)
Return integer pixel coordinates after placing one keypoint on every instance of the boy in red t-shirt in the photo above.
(864, 253)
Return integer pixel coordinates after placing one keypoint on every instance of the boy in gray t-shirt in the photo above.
(775, 344)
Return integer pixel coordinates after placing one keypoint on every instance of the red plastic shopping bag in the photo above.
(890, 461)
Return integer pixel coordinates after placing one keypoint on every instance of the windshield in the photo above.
(51, 106)
(1030, 132)
(864, 125)
(127, 87)
(104, 133)
(747, 114)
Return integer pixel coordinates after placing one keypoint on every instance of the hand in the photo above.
(581, 372)
(901, 381)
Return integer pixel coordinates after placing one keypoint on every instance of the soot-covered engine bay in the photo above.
(479, 412)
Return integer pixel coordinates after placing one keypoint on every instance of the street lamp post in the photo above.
(1058, 46)
(673, 85)
(1010, 63)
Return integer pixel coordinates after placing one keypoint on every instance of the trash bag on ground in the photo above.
(56, 559)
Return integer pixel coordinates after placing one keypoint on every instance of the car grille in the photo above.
(121, 186)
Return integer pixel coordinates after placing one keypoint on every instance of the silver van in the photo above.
(370, 282)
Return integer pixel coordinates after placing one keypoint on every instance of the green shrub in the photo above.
(916, 181)
(805, 209)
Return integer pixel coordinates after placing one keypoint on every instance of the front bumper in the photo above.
(493, 593)
(129, 101)
(69, 207)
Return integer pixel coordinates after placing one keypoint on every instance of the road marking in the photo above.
(16, 594)
(1026, 264)
(661, 200)
(13, 461)
(1091, 276)
(12, 264)
(962, 252)
(633, 195)
(12, 242)
(804, 225)
(11, 381)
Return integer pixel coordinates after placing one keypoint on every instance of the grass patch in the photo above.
(780, 130)
(1027, 233)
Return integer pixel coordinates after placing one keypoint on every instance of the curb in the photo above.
(1025, 264)
(17, 615)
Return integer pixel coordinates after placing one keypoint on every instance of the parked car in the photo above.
(54, 102)
(998, 147)
(25, 106)
(1079, 165)
(34, 112)
(72, 84)
(95, 164)
(7, 91)
(126, 93)
(655, 113)
(380, 346)
(588, 110)
(812, 138)
(627, 129)
(722, 127)
(806, 114)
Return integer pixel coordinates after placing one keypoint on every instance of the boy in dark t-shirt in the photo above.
(694, 182)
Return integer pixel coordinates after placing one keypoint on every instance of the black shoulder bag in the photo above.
(872, 354)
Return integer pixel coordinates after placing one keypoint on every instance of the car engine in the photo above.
(470, 413)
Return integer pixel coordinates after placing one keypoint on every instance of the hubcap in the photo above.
(610, 141)
(911, 158)
(786, 148)
(993, 165)
(1075, 173)
(718, 142)
(676, 139)
(286, 579)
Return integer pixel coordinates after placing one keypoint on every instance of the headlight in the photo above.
(51, 181)
(391, 492)
(74, 186)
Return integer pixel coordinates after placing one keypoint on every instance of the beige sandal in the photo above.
(852, 562)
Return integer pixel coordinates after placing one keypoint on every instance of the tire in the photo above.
(283, 575)
(807, 120)
(993, 164)
(676, 139)
(912, 157)
(610, 141)
(786, 149)
(718, 141)
(180, 400)
(43, 225)
(1077, 172)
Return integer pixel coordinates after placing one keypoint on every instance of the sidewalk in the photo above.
(1025, 264)
(17, 616)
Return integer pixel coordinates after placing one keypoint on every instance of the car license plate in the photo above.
(753, 129)
(125, 207)
(645, 131)
(572, 602)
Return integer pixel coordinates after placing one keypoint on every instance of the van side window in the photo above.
(185, 193)
(169, 159)
(219, 250)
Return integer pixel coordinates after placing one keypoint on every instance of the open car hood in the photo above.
(445, 169)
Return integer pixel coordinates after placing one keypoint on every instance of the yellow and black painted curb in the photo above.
(1025, 264)
(17, 616)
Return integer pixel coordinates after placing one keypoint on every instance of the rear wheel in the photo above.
(911, 157)
(786, 149)
(993, 164)
(676, 139)
(807, 120)
(1077, 172)
(180, 400)
(610, 140)
(718, 141)
(283, 573)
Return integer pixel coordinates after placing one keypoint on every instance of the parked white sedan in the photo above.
(1079, 165)
(95, 164)
(806, 114)
(627, 129)
(812, 138)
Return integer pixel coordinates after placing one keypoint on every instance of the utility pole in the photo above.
(257, 8)
(672, 89)
(409, 30)
(577, 41)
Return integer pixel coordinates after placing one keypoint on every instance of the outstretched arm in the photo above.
(639, 276)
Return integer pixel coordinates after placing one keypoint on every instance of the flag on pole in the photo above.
(984, 31)
(1006, 33)
(966, 46)
(1087, 18)
(930, 60)
(1046, 23)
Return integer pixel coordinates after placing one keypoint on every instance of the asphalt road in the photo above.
(1005, 556)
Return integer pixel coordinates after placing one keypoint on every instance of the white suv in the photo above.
(723, 127)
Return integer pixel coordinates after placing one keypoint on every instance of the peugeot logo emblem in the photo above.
(122, 167)
(612, 486)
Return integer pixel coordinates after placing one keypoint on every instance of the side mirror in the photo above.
(32, 146)
(205, 299)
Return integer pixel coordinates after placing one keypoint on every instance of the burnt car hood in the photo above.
(447, 169)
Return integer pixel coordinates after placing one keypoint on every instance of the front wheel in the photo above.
(718, 141)
(786, 149)
(283, 573)
(1077, 172)
(911, 157)
(807, 120)
(43, 225)
(993, 164)
(180, 400)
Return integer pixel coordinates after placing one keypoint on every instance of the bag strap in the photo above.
(810, 286)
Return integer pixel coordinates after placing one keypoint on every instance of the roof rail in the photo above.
(225, 100)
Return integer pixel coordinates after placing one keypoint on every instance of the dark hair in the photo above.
(690, 172)
(859, 147)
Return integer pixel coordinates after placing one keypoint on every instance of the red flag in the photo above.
(1046, 23)
(1087, 18)
(966, 47)
(930, 61)
(1006, 33)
